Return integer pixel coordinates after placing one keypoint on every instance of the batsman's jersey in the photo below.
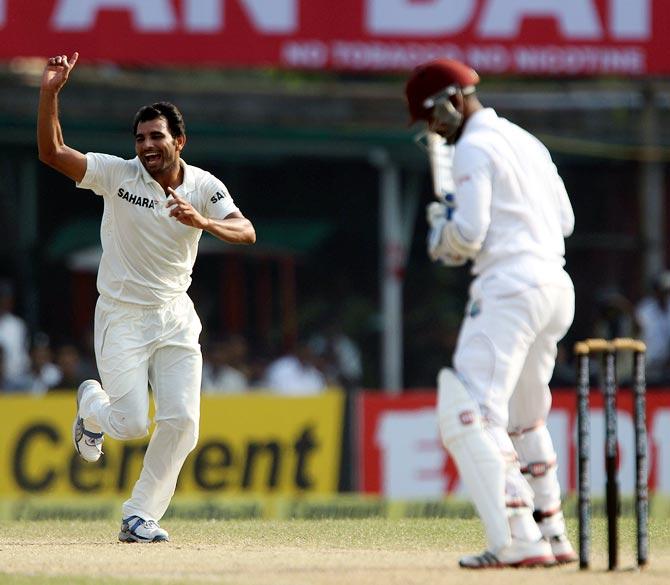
(148, 256)
(509, 196)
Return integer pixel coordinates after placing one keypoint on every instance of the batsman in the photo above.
(146, 330)
(503, 206)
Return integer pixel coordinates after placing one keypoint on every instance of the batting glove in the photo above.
(450, 260)
(438, 215)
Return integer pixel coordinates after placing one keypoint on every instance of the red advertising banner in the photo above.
(527, 37)
(401, 455)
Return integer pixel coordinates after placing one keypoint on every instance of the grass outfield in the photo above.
(371, 551)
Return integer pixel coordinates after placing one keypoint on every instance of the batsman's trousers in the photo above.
(506, 351)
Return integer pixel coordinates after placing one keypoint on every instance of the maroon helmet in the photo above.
(431, 78)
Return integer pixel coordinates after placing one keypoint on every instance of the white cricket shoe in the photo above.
(562, 549)
(520, 553)
(87, 443)
(136, 529)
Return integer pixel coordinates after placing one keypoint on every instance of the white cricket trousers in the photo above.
(506, 354)
(136, 348)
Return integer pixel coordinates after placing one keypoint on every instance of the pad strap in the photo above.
(538, 469)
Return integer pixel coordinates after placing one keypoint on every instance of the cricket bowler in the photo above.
(156, 208)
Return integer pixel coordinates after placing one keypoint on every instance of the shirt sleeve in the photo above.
(103, 172)
(474, 185)
(218, 201)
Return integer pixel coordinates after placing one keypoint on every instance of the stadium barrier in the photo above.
(400, 455)
(249, 444)
(262, 455)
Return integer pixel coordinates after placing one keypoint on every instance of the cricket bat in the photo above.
(441, 157)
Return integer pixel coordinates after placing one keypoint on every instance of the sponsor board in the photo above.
(571, 37)
(401, 456)
(249, 443)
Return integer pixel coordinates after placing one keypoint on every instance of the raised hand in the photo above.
(57, 71)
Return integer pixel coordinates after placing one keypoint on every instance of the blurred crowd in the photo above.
(327, 359)
(31, 364)
(617, 316)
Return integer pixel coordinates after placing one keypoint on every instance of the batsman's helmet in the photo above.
(432, 78)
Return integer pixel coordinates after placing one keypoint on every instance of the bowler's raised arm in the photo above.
(50, 144)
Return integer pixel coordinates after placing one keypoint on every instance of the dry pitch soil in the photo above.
(63, 556)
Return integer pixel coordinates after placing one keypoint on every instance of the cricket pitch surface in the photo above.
(296, 552)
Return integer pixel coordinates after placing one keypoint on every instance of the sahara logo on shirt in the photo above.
(218, 196)
(135, 200)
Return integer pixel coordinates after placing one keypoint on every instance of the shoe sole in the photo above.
(76, 446)
(529, 563)
(566, 558)
(542, 561)
(74, 434)
(75, 423)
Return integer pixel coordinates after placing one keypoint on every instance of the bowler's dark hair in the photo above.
(175, 120)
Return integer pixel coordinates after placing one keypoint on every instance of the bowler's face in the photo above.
(156, 148)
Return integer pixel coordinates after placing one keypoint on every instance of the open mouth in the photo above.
(152, 158)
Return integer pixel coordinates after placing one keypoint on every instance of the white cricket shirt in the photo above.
(509, 196)
(148, 256)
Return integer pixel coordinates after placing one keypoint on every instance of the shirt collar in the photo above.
(188, 183)
(480, 118)
(189, 180)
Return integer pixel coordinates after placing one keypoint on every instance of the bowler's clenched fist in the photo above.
(57, 71)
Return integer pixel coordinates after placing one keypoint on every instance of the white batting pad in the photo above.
(538, 458)
(517, 490)
(479, 462)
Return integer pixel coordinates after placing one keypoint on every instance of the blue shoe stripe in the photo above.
(93, 435)
(137, 524)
